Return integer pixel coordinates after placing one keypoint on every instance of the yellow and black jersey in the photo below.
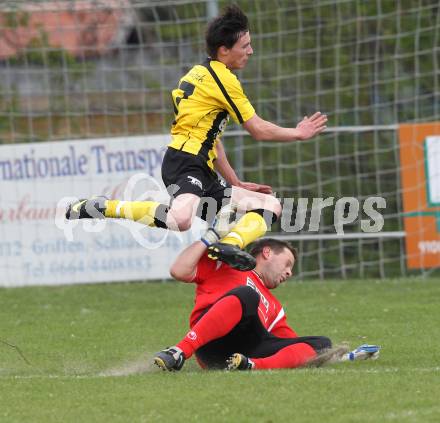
(205, 98)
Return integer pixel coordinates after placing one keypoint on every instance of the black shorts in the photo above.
(185, 173)
(250, 337)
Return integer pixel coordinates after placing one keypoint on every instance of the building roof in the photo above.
(83, 27)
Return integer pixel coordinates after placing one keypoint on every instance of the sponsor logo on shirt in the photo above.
(250, 282)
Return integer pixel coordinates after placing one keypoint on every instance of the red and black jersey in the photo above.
(214, 279)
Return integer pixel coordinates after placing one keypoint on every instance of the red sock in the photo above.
(294, 355)
(220, 319)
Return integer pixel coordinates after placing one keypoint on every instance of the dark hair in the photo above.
(226, 29)
(274, 244)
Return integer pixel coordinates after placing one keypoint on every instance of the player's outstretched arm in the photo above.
(223, 167)
(184, 267)
(263, 130)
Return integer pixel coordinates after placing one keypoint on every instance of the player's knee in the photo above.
(185, 224)
(248, 297)
(272, 205)
(276, 206)
(181, 221)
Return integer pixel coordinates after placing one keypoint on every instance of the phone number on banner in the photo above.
(79, 266)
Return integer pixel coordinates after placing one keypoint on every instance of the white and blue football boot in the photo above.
(363, 352)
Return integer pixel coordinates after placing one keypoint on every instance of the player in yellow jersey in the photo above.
(204, 100)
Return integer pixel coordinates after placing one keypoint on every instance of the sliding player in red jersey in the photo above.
(237, 323)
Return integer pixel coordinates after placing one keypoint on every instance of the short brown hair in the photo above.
(275, 244)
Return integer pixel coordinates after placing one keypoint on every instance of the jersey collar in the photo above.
(258, 276)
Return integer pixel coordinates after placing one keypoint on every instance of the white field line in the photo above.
(113, 373)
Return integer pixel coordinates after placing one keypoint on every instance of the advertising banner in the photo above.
(37, 181)
(420, 173)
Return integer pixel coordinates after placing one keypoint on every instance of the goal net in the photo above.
(96, 69)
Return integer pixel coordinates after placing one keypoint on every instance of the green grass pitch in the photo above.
(89, 350)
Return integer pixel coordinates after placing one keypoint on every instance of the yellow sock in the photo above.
(139, 211)
(249, 227)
